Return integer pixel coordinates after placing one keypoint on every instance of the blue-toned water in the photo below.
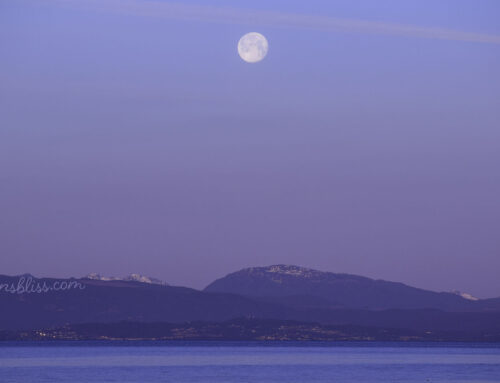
(183, 362)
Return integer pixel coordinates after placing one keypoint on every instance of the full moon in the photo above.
(253, 47)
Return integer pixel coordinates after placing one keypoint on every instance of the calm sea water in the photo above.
(183, 362)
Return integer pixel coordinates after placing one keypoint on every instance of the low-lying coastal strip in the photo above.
(242, 329)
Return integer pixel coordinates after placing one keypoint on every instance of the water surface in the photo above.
(221, 362)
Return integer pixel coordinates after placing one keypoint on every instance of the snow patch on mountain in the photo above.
(289, 270)
(128, 278)
(465, 295)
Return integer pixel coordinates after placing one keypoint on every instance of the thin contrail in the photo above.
(178, 11)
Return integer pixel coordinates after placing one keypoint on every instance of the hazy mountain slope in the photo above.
(301, 287)
(111, 301)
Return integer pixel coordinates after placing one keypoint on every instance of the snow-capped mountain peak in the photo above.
(143, 279)
(128, 278)
(290, 270)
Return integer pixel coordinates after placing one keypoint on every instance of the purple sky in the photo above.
(134, 139)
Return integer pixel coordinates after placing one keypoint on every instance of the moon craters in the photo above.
(253, 47)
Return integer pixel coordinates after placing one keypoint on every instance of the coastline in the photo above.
(241, 330)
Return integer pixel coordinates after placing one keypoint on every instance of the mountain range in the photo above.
(278, 292)
(302, 287)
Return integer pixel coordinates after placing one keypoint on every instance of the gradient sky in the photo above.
(140, 142)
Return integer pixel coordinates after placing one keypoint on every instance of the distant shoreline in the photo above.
(241, 329)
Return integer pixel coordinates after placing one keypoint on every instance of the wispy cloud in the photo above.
(178, 11)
